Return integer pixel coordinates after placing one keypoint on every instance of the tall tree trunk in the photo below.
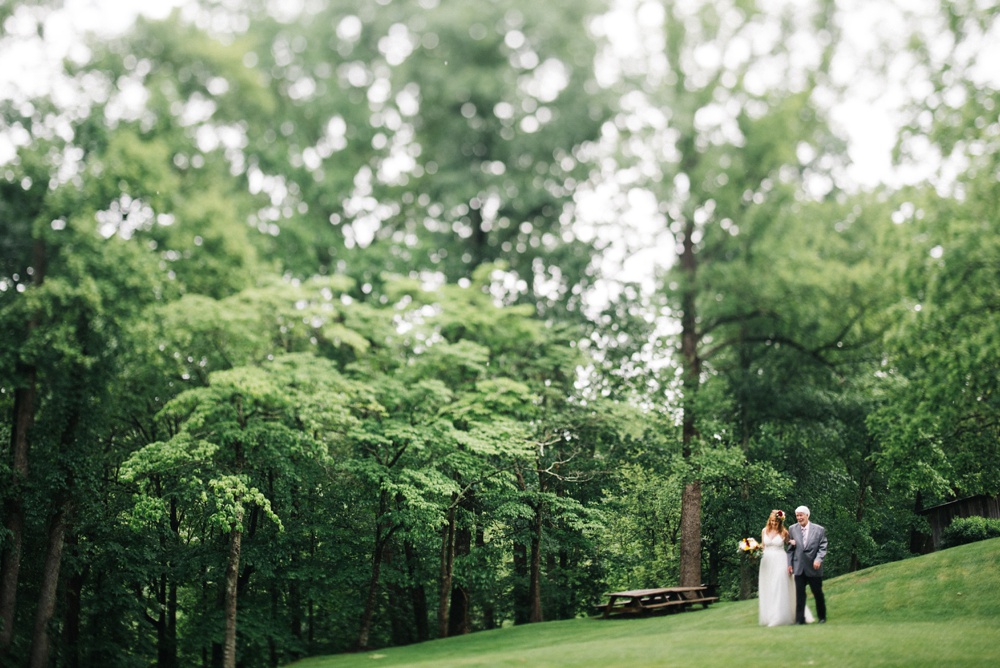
(311, 606)
(166, 598)
(690, 571)
(522, 601)
(24, 415)
(748, 573)
(458, 615)
(10, 564)
(211, 597)
(232, 585)
(295, 606)
(169, 649)
(160, 622)
(50, 586)
(446, 570)
(272, 646)
(567, 593)
(690, 566)
(418, 596)
(401, 630)
(535, 583)
(311, 637)
(71, 617)
(166, 651)
(364, 630)
(382, 537)
(489, 615)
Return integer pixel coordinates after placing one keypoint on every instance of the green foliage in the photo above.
(641, 530)
(324, 281)
(964, 530)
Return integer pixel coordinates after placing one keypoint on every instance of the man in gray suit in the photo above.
(805, 562)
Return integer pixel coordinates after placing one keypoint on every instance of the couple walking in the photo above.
(798, 553)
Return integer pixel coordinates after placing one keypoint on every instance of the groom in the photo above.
(805, 561)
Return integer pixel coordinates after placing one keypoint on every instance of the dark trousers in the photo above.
(816, 586)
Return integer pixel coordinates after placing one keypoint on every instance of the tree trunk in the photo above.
(364, 630)
(232, 584)
(169, 650)
(10, 564)
(567, 592)
(214, 597)
(311, 624)
(864, 485)
(418, 596)
(160, 622)
(10, 569)
(295, 606)
(690, 566)
(690, 571)
(310, 605)
(535, 583)
(272, 646)
(748, 574)
(401, 633)
(71, 617)
(382, 537)
(859, 516)
(489, 615)
(50, 585)
(522, 602)
(24, 415)
(446, 570)
(458, 615)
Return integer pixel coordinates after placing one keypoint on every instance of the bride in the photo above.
(775, 589)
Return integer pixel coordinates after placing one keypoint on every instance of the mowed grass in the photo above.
(938, 610)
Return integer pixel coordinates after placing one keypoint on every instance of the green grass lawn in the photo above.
(938, 610)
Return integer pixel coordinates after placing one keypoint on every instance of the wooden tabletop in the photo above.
(660, 599)
(638, 593)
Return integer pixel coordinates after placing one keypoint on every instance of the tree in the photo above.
(726, 151)
(417, 139)
(235, 435)
(78, 318)
(939, 417)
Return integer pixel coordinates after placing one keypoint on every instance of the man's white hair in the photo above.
(802, 509)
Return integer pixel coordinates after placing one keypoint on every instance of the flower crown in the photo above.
(779, 515)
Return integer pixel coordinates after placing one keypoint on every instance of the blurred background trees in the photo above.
(337, 325)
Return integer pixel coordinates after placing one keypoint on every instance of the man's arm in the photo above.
(821, 552)
(791, 554)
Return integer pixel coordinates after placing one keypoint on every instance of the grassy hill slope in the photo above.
(941, 609)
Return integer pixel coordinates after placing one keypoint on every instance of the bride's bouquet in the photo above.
(750, 548)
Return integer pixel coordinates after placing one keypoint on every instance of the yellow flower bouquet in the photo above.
(751, 548)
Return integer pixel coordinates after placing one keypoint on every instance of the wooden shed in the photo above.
(940, 516)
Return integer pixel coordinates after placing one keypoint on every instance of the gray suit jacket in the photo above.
(800, 557)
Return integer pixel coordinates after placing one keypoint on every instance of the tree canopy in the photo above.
(332, 325)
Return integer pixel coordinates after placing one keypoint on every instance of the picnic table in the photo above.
(662, 599)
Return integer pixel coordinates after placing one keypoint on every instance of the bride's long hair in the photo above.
(776, 524)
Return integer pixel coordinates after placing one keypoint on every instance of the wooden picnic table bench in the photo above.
(662, 599)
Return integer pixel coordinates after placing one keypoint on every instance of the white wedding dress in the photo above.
(775, 587)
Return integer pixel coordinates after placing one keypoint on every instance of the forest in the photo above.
(329, 325)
